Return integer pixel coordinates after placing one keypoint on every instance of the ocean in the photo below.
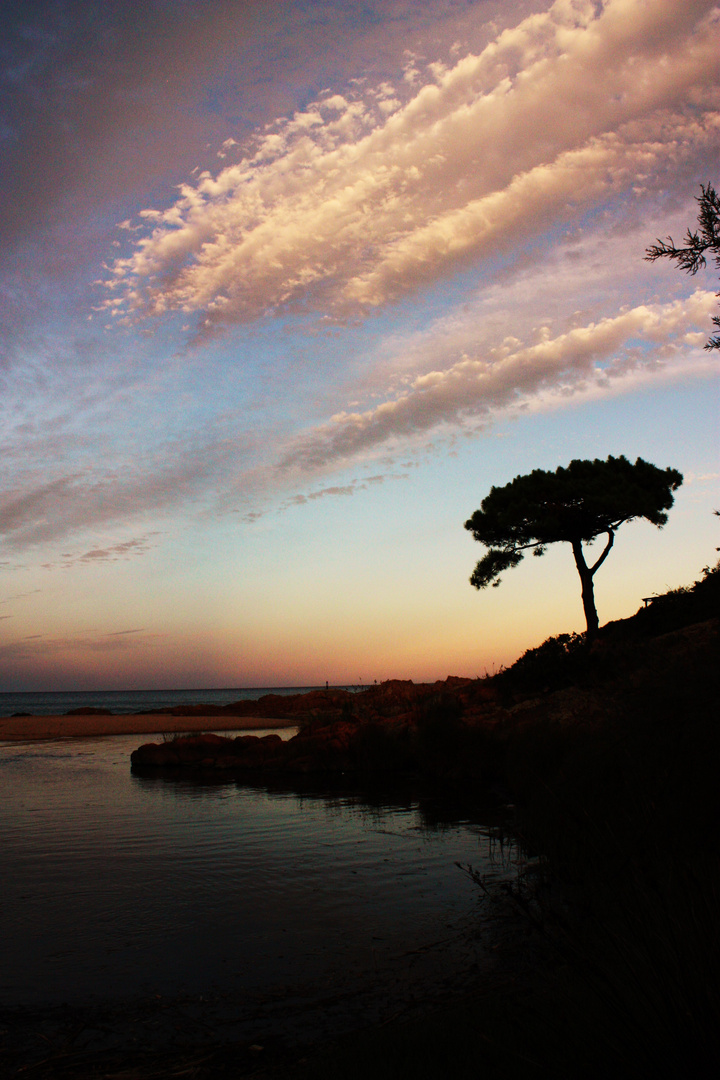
(57, 703)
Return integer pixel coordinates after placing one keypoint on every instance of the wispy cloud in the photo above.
(355, 201)
(331, 492)
(180, 472)
(19, 596)
(123, 550)
(510, 375)
(36, 646)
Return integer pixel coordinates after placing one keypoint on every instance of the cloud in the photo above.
(125, 549)
(32, 505)
(511, 375)
(36, 646)
(333, 491)
(76, 503)
(339, 489)
(355, 201)
(178, 472)
(19, 596)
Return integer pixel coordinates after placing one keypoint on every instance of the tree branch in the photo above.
(526, 547)
(606, 552)
(691, 256)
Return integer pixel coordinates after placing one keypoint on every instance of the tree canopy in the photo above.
(574, 505)
(691, 257)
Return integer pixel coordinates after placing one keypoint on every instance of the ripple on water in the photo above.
(116, 886)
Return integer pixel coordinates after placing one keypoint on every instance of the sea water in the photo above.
(281, 899)
(57, 703)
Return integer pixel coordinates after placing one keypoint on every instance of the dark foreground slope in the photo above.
(614, 958)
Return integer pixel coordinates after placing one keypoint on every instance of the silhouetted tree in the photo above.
(572, 505)
(691, 256)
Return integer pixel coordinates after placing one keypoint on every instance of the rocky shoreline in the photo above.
(395, 726)
(455, 729)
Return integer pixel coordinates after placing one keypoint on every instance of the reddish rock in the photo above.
(376, 728)
(154, 754)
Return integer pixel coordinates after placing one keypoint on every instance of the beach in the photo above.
(32, 728)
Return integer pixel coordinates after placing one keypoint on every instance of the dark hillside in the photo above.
(564, 660)
(611, 755)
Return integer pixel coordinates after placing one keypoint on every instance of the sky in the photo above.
(287, 287)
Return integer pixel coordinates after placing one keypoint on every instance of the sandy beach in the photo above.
(29, 728)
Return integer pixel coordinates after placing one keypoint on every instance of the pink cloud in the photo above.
(475, 388)
(343, 208)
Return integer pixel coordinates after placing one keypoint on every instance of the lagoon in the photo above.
(300, 907)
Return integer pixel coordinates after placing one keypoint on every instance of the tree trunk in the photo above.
(586, 580)
(588, 593)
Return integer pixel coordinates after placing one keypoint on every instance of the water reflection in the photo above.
(256, 891)
(437, 805)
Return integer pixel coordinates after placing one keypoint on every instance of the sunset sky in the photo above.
(287, 286)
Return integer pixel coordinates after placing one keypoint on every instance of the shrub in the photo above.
(558, 662)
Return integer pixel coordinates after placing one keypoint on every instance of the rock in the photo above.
(152, 754)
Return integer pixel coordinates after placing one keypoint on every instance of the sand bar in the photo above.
(28, 728)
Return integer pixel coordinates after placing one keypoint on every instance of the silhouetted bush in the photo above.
(623, 816)
(440, 731)
(382, 747)
(672, 610)
(560, 661)
(566, 660)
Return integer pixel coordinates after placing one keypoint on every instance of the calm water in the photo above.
(116, 887)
